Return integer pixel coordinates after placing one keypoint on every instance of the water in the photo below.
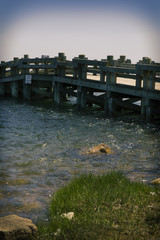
(40, 151)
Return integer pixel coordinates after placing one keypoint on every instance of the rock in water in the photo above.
(101, 148)
(13, 227)
(156, 181)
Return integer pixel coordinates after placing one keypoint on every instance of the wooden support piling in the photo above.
(81, 98)
(26, 91)
(2, 89)
(14, 89)
(57, 93)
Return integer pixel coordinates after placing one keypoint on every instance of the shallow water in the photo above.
(40, 151)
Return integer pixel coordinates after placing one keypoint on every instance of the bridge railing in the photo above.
(144, 74)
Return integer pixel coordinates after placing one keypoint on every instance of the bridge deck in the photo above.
(116, 80)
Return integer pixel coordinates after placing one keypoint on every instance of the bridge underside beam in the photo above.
(128, 104)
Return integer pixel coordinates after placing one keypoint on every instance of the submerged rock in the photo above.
(156, 181)
(101, 148)
(13, 227)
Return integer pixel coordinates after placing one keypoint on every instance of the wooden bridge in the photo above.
(111, 84)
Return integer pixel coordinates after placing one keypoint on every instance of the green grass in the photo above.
(105, 207)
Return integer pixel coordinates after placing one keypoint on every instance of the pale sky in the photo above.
(94, 28)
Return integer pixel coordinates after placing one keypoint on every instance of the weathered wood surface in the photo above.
(115, 79)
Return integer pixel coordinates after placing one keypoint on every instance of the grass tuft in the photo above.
(105, 207)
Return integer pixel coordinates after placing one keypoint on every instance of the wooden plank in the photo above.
(149, 67)
(125, 75)
(40, 66)
(37, 60)
(42, 77)
(125, 89)
(127, 65)
(12, 78)
(92, 70)
(88, 62)
(84, 83)
(118, 69)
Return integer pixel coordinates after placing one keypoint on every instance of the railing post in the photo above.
(59, 89)
(95, 67)
(146, 79)
(81, 91)
(148, 84)
(151, 80)
(60, 69)
(110, 60)
(24, 62)
(46, 69)
(113, 78)
(138, 80)
(82, 69)
(122, 59)
(110, 102)
(15, 69)
(36, 70)
(75, 72)
(102, 76)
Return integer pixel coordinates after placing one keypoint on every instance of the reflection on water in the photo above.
(40, 152)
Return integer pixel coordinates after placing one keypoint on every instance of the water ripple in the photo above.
(40, 151)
